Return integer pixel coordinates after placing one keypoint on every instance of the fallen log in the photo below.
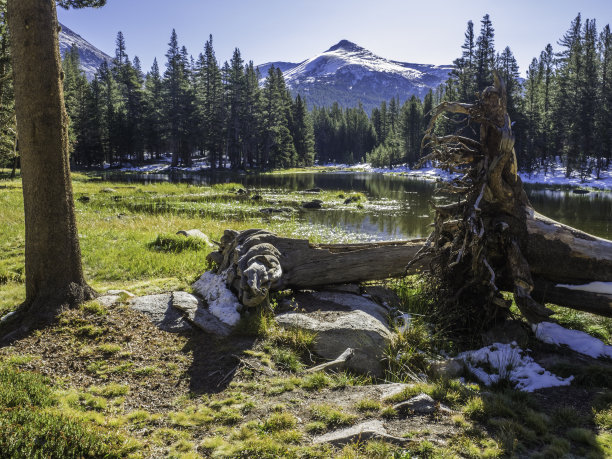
(257, 261)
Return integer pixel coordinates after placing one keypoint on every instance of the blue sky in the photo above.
(424, 31)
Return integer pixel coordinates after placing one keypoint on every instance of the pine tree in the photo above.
(412, 130)
(485, 54)
(75, 93)
(110, 126)
(177, 102)
(278, 148)
(236, 88)
(209, 96)
(464, 70)
(252, 111)
(588, 95)
(302, 133)
(604, 114)
(153, 112)
(567, 97)
(8, 128)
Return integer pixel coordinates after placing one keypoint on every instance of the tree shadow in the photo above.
(215, 360)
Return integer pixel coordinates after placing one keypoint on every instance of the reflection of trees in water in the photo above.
(591, 212)
(382, 226)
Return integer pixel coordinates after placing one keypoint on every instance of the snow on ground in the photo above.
(508, 361)
(576, 340)
(593, 287)
(556, 176)
(222, 303)
(425, 173)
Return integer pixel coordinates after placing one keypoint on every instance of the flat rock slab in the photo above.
(112, 297)
(342, 320)
(420, 404)
(160, 311)
(198, 315)
(360, 433)
(108, 300)
(383, 296)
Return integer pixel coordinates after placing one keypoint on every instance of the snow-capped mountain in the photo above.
(91, 57)
(349, 74)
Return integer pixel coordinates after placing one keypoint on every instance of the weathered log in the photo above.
(556, 254)
(257, 261)
(562, 254)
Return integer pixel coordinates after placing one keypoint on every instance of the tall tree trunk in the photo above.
(54, 276)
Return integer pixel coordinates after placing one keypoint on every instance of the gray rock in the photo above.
(345, 288)
(160, 311)
(313, 190)
(389, 390)
(276, 210)
(342, 320)
(446, 369)
(108, 190)
(195, 233)
(120, 292)
(108, 300)
(383, 296)
(365, 431)
(314, 204)
(420, 404)
(198, 315)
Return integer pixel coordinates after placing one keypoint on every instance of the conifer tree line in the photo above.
(8, 134)
(561, 111)
(193, 108)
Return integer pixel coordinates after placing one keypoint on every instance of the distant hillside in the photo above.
(91, 57)
(350, 74)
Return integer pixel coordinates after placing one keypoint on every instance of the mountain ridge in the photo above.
(91, 57)
(350, 74)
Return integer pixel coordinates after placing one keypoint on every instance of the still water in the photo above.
(397, 207)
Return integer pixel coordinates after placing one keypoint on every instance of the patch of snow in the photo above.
(403, 322)
(576, 340)
(593, 287)
(509, 361)
(556, 176)
(222, 302)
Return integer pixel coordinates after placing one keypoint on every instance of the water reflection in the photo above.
(397, 207)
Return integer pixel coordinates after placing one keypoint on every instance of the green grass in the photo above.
(32, 426)
(128, 238)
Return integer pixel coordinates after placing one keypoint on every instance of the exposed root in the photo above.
(477, 242)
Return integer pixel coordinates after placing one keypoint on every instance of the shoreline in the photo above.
(555, 178)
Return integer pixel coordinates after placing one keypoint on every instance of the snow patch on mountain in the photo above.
(351, 74)
(91, 57)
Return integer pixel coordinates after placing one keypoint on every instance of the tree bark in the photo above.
(54, 276)
(257, 262)
(556, 254)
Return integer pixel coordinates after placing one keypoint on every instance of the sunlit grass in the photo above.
(127, 232)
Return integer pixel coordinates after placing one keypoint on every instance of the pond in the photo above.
(397, 207)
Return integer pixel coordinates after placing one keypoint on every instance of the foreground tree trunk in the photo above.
(54, 276)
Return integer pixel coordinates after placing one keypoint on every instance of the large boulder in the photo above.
(341, 320)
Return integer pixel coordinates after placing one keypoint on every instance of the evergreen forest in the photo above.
(233, 117)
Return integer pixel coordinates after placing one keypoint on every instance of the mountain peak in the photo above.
(345, 45)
